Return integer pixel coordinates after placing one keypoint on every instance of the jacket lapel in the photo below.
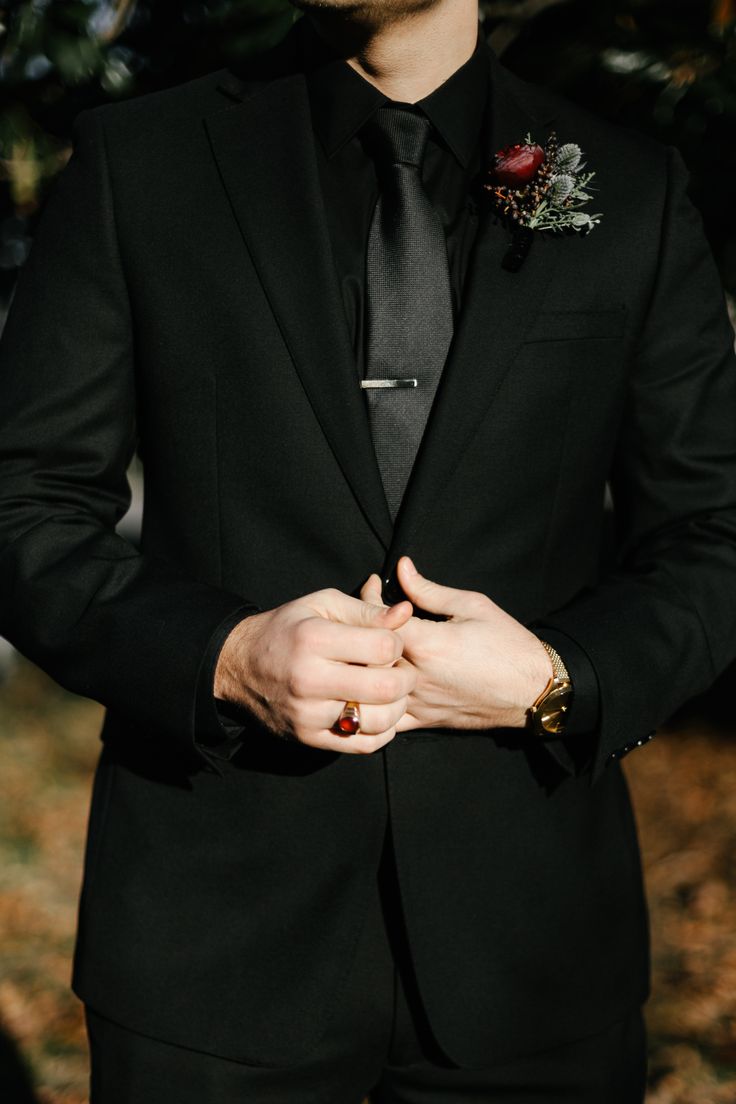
(265, 152)
(498, 308)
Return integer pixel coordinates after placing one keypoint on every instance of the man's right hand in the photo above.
(294, 667)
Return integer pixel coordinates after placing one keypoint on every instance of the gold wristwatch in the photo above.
(548, 714)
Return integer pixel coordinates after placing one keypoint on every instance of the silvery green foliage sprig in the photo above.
(569, 190)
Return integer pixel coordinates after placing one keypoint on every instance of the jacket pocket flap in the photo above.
(576, 325)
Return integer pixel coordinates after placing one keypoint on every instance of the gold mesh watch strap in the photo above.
(558, 666)
(548, 715)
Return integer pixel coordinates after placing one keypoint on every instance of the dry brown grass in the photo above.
(684, 789)
(49, 743)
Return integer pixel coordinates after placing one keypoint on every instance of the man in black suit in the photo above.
(287, 288)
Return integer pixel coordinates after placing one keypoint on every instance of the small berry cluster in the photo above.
(519, 204)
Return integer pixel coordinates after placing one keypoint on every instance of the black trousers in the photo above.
(377, 1043)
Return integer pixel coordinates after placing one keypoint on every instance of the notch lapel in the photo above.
(265, 152)
(498, 307)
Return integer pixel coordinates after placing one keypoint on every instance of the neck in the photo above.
(408, 56)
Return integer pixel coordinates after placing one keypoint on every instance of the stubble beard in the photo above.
(368, 14)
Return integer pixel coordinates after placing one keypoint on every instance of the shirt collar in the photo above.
(342, 100)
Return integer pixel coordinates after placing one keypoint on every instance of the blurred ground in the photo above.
(684, 789)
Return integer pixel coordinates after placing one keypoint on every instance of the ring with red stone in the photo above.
(348, 723)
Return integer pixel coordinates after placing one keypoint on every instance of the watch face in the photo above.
(551, 713)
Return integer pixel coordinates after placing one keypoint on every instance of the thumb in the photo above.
(433, 597)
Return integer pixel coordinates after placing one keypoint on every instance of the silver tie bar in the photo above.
(388, 383)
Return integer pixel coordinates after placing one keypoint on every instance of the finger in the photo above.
(368, 685)
(372, 590)
(359, 744)
(351, 644)
(336, 606)
(434, 597)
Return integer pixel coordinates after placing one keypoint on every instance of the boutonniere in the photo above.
(539, 189)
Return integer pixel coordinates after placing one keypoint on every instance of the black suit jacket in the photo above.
(181, 299)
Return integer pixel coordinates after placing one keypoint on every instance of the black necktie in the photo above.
(408, 297)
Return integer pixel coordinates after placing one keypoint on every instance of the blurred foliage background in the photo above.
(667, 67)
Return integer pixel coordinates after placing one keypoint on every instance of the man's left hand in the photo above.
(479, 668)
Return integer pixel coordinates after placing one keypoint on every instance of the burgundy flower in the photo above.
(515, 166)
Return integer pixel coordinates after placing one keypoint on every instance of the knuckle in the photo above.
(300, 683)
(305, 634)
(321, 599)
(386, 647)
(385, 688)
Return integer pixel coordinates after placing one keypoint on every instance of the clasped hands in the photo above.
(295, 666)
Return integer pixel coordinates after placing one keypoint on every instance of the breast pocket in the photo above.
(608, 324)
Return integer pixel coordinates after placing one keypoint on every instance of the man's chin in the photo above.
(365, 11)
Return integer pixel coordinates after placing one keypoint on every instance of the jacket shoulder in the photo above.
(157, 113)
(599, 137)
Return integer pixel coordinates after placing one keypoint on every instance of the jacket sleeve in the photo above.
(661, 625)
(103, 620)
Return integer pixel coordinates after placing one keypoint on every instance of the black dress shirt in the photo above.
(341, 102)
